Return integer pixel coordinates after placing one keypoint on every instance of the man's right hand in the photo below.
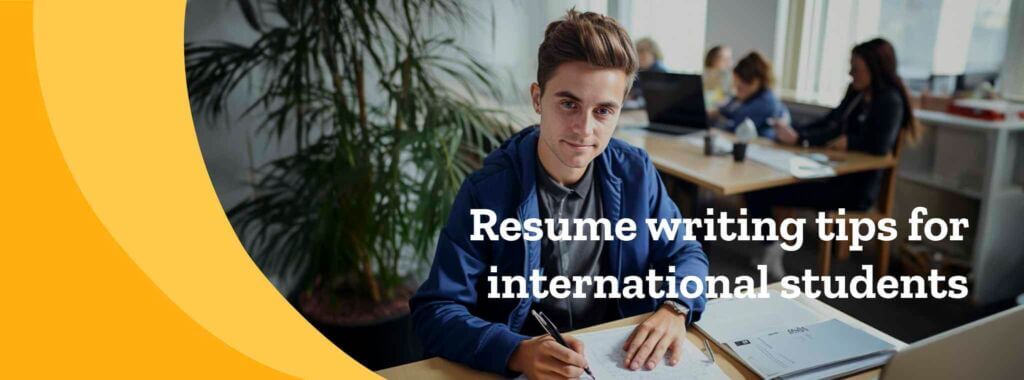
(543, 358)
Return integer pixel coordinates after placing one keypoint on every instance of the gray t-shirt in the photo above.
(570, 258)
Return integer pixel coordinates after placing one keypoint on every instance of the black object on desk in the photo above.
(674, 102)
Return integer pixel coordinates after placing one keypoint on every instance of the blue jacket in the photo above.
(451, 313)
(759, 107)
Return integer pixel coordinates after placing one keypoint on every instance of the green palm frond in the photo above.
(387, 121)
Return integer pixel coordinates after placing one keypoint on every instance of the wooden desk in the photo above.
(674, 156)
(437, 368)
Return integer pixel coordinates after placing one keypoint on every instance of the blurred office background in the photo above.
(945, 47)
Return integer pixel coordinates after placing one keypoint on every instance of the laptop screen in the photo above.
(675, 99)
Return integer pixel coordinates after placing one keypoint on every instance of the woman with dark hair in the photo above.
(876, 106)
(869, 119)
(752, 80)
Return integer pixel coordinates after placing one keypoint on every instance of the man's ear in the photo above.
(535, 97)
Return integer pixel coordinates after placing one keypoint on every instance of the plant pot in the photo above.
(377, 335)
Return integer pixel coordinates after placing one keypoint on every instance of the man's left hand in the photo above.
(663, 331)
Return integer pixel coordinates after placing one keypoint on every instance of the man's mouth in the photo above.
(579, 147)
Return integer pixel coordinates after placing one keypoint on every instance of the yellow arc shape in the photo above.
(113, 80)
(75, 305)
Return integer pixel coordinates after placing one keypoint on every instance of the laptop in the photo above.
(988, 348)
(674, 102)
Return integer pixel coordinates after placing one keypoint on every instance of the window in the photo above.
(931, 37)
(988, 36)
(835, 28)
(910, 25)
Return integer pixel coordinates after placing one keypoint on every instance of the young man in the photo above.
(567, 167)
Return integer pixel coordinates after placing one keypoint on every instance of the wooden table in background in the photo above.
(438, 368)
(674, 156)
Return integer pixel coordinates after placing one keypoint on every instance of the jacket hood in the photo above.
(519, 154)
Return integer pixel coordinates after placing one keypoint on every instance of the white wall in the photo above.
(743, 25)
(510, 46)
(677, 26)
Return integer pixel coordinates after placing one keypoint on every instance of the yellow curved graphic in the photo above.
(121, 259)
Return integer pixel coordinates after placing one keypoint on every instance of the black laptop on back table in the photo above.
(674, 102)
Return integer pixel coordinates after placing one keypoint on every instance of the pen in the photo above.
(708, 348)
(549, 326)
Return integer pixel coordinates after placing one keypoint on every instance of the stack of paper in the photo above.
(779, 338)
(821, 350)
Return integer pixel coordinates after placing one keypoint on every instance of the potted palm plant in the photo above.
(387, 120)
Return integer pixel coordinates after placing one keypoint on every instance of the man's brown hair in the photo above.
(588, 37)
(755, 66)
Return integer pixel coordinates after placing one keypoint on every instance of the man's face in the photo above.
(579, 110)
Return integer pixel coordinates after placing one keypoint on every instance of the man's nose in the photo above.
(583, 124)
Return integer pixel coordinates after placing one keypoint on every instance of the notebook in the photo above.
(779, 338)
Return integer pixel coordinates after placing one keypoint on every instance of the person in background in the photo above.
(869, 119)
(649, 58)
(649, 55)
(752, 78)
(717, 64)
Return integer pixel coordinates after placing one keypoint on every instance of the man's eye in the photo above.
(605, 111)
(568, 105)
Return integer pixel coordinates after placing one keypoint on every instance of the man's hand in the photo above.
(543, 358)
(662, 331)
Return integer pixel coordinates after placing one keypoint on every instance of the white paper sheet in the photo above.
(604, 353)
(795, 165)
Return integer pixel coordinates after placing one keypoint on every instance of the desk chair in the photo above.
(882, 209)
